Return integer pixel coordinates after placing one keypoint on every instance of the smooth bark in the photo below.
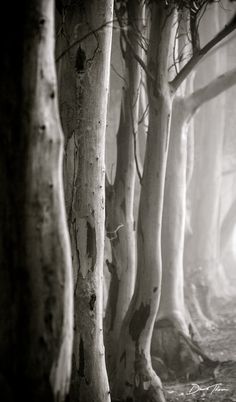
(86, 207)
(171, 318)
(135, 377)
(120, 196)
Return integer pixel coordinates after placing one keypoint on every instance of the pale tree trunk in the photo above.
(172, 342)
(227, 227)
(120, 196)
(87, 209)
(135, 377)
(204, 244)
(36, 275)
(171, 350)
(227, 235)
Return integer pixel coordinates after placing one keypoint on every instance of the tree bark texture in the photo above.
(135, 377)
(171, 353)
(87, 204)
(36, 291)
(120, 196)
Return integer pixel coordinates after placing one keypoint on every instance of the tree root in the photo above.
(176, 355)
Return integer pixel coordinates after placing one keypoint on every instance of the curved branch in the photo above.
(200, 54)
(211, 90)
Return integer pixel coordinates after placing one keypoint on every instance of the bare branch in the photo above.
(200, 54)
(129, 44)
(211, 90)
(80, 40)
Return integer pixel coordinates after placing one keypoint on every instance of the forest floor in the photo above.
(219, 343)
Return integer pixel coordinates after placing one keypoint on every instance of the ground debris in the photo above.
(216, 384)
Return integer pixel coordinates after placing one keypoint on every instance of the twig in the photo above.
(139, 60)
(199, 55)
(78, 41)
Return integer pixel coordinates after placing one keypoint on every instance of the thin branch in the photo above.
(136, 56)
(112, 235)
(211, 90)
(199, 55)
(135, 144)
(118, 74)
(78, 41)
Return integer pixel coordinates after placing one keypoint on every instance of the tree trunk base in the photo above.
(175, 355)
(140, 385)
(201, 314)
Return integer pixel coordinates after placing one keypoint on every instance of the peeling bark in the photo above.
(86, 188)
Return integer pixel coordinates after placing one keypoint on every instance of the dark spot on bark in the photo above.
(52, 95)
(123, 357)
(91, 244)
(141, 233)
(128, 384)
(164, 323)
(42, 21)
(80, 61)
(81, 358)
(123, 207)
(113, 293)
(155, 289)
(92, 301)
(138, 321)
(42, 128)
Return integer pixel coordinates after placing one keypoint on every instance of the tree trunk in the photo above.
(171, 327)
(203, 255)
(135, 377)
(87, 217)
(120, 196)
(35, 261)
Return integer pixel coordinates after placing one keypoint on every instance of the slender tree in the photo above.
(120, 196)
(204, 258)
(135, 378)
(173, 327)
(36, 292)
(89, 32)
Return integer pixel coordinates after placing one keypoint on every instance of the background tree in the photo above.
(149, 267)
(173, 335)
(120, 196)
(204, 243)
